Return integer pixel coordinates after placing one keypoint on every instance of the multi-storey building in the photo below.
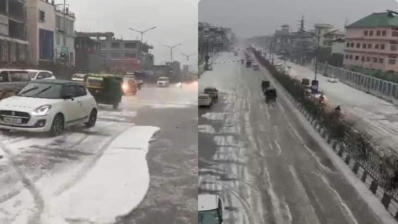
(372, 42)
(64, 50)
(40, 30)
(119, 55)
(13, 44)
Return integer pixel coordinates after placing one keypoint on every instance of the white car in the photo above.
(163, 82)
(40, 74)
(211, 209)
(205, 100)
(333, 79)
(48, 106)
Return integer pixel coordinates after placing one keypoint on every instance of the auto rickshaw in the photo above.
(270, 95)
(106, 88)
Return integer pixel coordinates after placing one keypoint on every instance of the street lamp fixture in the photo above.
(171, 47)
(142, 32)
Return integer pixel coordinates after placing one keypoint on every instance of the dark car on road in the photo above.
(213, 92)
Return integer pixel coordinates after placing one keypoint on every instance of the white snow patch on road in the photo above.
(207, 129)
(116, 185)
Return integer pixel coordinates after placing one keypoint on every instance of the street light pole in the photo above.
(171, 50)
(142, 32)
(317, 52)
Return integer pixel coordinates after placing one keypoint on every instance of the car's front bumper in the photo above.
(35, 124)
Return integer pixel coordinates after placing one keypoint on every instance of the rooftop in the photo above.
(380, 19)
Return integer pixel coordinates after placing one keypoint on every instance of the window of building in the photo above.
(382, 46)
(391, 61)
(371, 33)
(363, 58)
(356, 58)
(348, 45)
(115, 45)
(363, 45)
(346, 56)
(378, 33)
(42, 16)
(375, 60)
(115, 55)
(365, 32)
(394, 33)
(352, 44)
(367, 58)
(384, 33)
(130, 55)
(381, 60)
(376, 46)
(369, 46)
(130, 45)
(350, 56)
(358, 45)
(393, 47)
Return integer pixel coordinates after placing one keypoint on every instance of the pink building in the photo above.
(372, 42)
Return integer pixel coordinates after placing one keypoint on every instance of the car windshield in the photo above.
(208, 217)
(41, 90)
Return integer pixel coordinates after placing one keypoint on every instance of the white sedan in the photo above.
(48, 106)
(205, 100)
(333, 79)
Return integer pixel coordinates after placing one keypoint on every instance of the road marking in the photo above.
(317, 159)
(267, 113)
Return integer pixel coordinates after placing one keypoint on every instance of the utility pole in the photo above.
(187, 56)
(142, 32)
(318, 36)
(171, 47)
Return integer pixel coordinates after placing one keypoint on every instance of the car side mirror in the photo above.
(67, 97)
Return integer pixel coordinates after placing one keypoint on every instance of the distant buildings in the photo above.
(213, 39)
(372, 42)
(117, 55)
(64, 37)
(303, 46)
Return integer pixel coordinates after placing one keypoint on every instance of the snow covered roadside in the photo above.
(116, 185)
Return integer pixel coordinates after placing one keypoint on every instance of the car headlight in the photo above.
(41, 111)
(125, 87)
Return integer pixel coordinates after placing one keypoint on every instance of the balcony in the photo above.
(16, 10)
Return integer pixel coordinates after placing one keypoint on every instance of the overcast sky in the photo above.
(258, 17)
(176, 22)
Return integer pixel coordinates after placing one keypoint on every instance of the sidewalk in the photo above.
(376, 117)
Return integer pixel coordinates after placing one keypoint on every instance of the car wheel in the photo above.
(57, 126)
(92, 119)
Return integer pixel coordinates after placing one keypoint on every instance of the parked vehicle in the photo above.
(205, 100)
(213, 92)
(248, 64)
(129, 86)
(211, 209)
(12, 81)
(106, 88)
(79, 77)
(256, 67)
(270, 95)
(333, 79)
(163, 81)
(48, 106)
(40, 74)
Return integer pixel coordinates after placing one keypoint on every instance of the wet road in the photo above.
(38, 172)
(261, 160)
